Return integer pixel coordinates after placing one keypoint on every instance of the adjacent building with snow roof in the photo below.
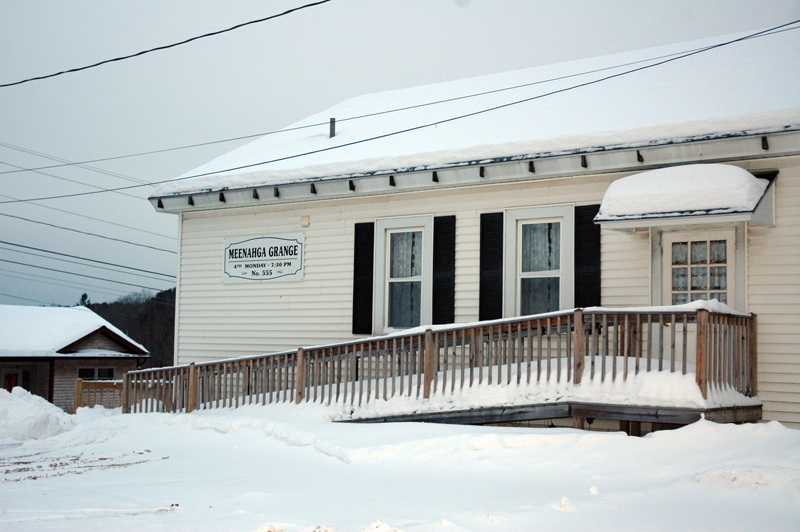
(44, 349)
(646, 178)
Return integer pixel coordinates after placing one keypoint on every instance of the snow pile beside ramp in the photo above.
(24, 416)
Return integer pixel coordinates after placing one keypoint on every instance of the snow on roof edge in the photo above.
(163, 191)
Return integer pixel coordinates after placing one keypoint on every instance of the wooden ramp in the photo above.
(571, 353)
(538, 412)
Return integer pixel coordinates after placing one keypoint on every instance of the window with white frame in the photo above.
(403, 272)
(539, 260)
(699, 266)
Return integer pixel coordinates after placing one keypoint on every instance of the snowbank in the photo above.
(286, 467)
(25, 416)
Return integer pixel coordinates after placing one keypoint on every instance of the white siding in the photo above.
(218, 320)
(774, 295)
(625, 269)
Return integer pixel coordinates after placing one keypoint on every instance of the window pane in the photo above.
(719, 252)
(404, 304)
(541, 247)
(700, 296)
(699, 252)
(680, 278)
(105, 374)
(86, 374)
(405, 255)
(699, 279)
(539, 294)
(719, 277)
(680, 252)
(680, 299)
(722, 297)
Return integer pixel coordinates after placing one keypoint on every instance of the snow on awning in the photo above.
(684, 195)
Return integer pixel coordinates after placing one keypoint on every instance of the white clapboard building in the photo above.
(646, 178)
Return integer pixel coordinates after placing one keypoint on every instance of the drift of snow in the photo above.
(565, 107)
(25, 416)
(704, 188)
(288, 468)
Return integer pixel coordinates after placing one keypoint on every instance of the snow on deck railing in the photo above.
(592, 344)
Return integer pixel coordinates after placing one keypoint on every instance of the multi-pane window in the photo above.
(96, 374)
(540, 267)
(403, 273)
(699, 269)
(538, 260)
(405, 279)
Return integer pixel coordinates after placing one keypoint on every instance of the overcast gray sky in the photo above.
(256, 79)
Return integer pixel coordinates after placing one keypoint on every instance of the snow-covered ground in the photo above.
(289, 467)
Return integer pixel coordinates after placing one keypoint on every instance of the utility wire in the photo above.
(47, 280)
(84, 258)
(85, 232)
(436, 123)
(67, 162)
(84, 287)
(91, 218)
(83, 264)
(81, 275)
(165, 47)
(100, 189)
(368, 115)
(24, 298)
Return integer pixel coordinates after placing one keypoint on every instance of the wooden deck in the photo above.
(570, 350)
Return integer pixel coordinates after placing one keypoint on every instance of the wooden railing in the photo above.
(567, 346)
(103, 393)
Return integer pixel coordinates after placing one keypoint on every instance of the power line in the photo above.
(438, 122)
(91, 218)
(82, 264)
(81, 275)
(100, 189)
(85, 232)
(165, 47)
(67, 162)
(24, 298)
(357, 117)
(46, 280)
(88, 260)
(84, 287)
(368, 115)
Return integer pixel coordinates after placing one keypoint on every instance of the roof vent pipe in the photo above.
(333, 127)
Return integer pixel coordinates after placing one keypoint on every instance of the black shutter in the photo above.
(490, 305)
(363, 258)
(444, 269)
(587, 257)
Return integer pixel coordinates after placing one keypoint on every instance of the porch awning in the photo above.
(687, 195)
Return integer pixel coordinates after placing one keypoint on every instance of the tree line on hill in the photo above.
(147, 319)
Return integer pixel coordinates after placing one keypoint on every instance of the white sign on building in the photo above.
(264, 258)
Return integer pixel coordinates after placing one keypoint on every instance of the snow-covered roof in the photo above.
(44, 331)
(688, 190)
(746, 87)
